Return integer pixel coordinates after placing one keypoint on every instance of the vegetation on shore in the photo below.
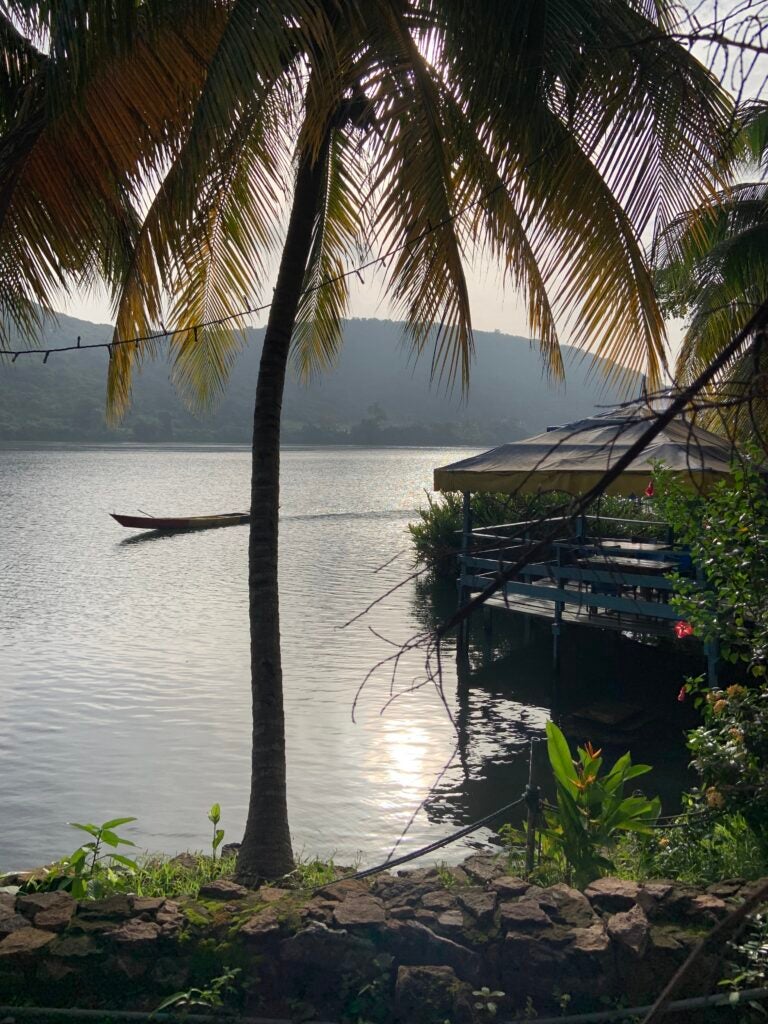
(436, 534)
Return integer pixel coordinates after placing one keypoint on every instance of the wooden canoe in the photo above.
(182, 522)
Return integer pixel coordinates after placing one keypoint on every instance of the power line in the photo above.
(166, 335)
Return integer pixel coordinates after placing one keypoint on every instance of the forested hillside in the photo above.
(375, 395)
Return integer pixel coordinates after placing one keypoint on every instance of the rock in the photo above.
(630, 929)
(223, 889)
(7, 901)
(230, 850)
(25, 941)
(677, 903)
(479, 905)
(329, 950)
(146, 904)
(727, 888)
(507, 886)
(359, 912)
(706, 907)
(427, 917)
(136, 934)
(424, 995)
(567, 905)
(449, 923)
(526, 915)
(529, 967)
(269, 894)
(55, 919)
(325, 965)
(612, 895)
(341, 890)
(17, 878)
(31, 904)
(414, 944)
(402, 913)
(111, 908)
(170, 919)
(406, 888)
(591, 941)
(262, 927)
(74, 946)
(318, 909)
(440, 900)
(652, 894)
(11, 921)
(184, 860)
(483, 867)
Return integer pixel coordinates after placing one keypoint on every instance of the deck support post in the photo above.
(462, 639)
(556, 630)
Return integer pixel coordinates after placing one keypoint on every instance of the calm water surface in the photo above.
(124, 658)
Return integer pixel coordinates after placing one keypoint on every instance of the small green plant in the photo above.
(448, 879)
(592, 810)
(213, 996)
(750, 953)
(487, 1002)
(214, 816)
(371, 1004)
(93, 869)
(529, 1010)
(313, 873)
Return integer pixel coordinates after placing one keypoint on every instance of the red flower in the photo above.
(681, 695)
(683, 629)
(649, 491)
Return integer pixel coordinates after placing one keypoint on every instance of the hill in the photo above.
(375, 395)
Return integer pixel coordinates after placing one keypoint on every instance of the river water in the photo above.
(124, 659)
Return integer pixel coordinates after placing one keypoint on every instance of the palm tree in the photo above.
(548, 135)
(713, 270)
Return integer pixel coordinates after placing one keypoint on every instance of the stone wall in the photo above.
(409, 947)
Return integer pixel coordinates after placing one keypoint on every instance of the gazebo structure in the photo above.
(583, 576)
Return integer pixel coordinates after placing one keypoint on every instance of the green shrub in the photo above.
(727, 533)
(591, 812)
(730, 753)
(698, 849)
(436, 536)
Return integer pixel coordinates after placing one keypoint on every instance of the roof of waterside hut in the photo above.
(574, 457)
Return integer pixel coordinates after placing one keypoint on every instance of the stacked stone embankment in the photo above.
(416, 943)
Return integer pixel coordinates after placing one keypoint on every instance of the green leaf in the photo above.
(92, 830)
(125, 861)
(116, 822)
(560, 756)
(214, 815)
(174, 1000)
(218, 837)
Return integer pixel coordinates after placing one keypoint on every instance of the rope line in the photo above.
(167, 335)
(437, 845)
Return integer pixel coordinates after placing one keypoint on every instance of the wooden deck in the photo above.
(580, 616)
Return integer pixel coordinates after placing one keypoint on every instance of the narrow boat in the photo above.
(145, 522)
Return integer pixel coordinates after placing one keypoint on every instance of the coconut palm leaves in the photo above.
(551, 139)
(714, 270)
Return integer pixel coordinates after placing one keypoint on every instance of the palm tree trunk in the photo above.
(266, 848)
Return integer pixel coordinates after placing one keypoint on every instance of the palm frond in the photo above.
(336, 237)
